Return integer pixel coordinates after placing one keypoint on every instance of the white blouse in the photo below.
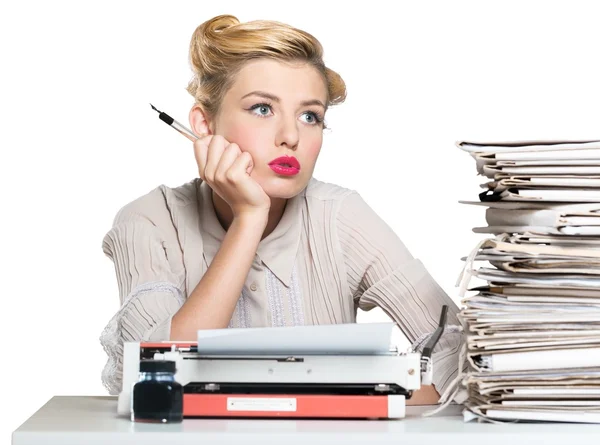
(329, 255)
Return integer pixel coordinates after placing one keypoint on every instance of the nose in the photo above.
(287, 133)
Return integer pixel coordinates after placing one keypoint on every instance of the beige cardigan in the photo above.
(329, 255)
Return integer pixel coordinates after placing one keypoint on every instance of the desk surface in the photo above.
(93, 420)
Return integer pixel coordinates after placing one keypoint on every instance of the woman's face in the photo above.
(275, 109)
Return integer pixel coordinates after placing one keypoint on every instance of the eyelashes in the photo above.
(265, 109)
(259, 107)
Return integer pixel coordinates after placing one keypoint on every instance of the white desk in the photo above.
(93, 420)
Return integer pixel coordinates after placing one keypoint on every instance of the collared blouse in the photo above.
(330, 255)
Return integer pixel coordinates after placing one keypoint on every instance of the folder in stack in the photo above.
(532, 328)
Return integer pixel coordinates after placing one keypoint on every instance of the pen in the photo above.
(176, 125)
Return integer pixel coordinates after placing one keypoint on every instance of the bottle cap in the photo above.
(157, 366)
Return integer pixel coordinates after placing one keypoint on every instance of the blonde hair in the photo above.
(222, 45)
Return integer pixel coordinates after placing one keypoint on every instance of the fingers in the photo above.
(240, 168)
(226, 169)
(219, 161)
(215, 151)
(230, 154)
(201, 153)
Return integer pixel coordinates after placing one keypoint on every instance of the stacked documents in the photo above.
(533, 323)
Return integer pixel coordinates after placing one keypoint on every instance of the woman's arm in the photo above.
(427, 395)
(150, 275)
(144, 248)
(226, 169)
(211, 304)
(383, 273)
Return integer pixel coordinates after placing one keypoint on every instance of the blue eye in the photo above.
(261, 110)
(312, 118)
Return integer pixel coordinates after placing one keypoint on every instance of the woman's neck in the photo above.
(225, 215)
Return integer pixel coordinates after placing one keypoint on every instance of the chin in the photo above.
(284, 188)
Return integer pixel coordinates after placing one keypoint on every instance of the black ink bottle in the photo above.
(156, 396)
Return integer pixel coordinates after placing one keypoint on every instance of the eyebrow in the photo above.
(276, 99)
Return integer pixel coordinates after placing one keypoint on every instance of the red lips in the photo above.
(289, 161)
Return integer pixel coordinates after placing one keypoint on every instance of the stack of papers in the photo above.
(533, 325)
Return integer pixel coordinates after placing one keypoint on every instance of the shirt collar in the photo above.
(277, 251)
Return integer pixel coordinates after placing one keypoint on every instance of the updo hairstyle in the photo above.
(221, 46)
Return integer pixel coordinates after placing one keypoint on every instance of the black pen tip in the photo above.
(163, 116)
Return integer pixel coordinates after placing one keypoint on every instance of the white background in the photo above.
(79, 139)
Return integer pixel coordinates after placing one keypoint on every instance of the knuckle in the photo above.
(201, 143)
(219, 177)
(231, 176)
(233, 148)
(217, 139)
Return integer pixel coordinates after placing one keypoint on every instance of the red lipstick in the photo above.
(285, 165)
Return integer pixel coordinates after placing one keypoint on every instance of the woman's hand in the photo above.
(426, 395)
(227, 170)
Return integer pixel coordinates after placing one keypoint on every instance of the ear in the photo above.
(199, 121)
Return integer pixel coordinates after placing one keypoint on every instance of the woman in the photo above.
(256, 240)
